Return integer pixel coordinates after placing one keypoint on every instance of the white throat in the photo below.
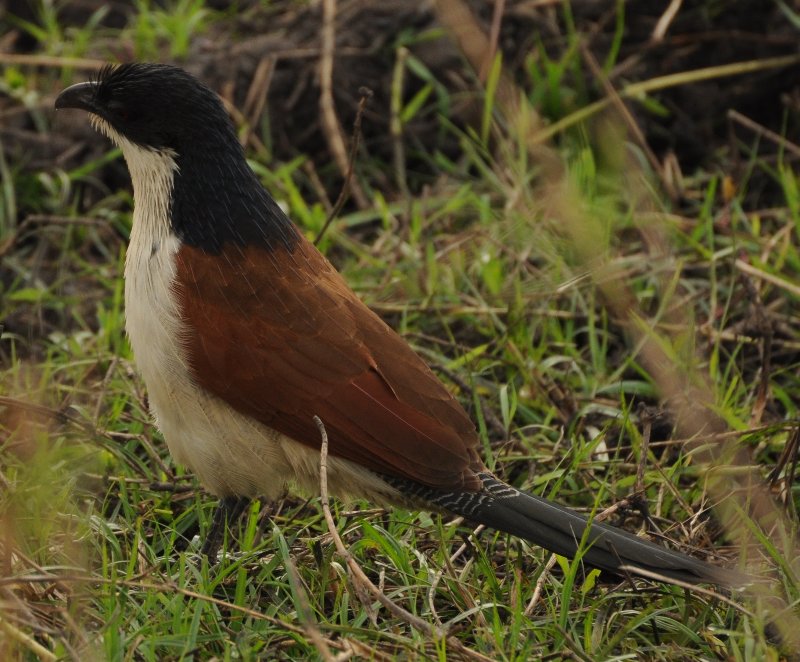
(153, 175)
(152, 318)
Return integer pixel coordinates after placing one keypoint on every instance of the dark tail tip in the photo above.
(565, 532)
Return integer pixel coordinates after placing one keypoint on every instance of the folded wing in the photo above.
(281, 337)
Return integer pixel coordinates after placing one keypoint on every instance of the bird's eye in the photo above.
(119, 112)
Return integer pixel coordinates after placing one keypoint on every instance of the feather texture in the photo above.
(279, 336)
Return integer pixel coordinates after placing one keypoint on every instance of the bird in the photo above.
(243, 332)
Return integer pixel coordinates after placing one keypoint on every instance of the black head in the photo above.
(215, 198)
(153, 105)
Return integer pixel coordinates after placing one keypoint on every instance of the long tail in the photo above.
(562, 531)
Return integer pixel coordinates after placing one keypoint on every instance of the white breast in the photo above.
(231, 454)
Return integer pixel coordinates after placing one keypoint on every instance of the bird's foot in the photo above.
(229, 509)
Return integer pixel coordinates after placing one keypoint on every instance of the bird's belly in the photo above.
(231, 453)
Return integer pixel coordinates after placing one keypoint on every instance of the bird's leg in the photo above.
(228, 511)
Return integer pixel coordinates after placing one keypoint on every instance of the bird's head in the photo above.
(188, 168)
(155, 106)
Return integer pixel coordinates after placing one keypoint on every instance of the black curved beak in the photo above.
(79, 96)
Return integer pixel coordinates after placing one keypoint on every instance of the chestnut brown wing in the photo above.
(281, 337)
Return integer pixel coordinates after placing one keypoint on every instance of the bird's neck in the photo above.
(217, 199)
(207, 197)
(153, 176)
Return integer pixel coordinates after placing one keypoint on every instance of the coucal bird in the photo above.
(243, 331)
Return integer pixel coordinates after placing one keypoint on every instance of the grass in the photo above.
(539, 281)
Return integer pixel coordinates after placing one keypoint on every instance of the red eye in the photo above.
(121, 114)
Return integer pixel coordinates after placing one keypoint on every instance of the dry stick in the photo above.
(640, 89)
(761, 130)
(749, 269)
(629, 120)
(26, 640)
(666, 20)
(794, 444)
(537, 590)
(257, 95)
(330, 123)
(357, 574)
(788, 456)
(639, 489)
(494, 36)
(366, 95)
(239, 118)
(317, 185)
(52, 61)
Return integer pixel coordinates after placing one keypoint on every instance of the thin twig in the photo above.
(762, 323)
(330, 122)
(357, 574)
(788, 458)
(26, 640)
(628, 119)
(761, 130)
(366, 95)
(537, 590)
(52, 61)
(694, 588)
(666, 20)
(494, 36)
(641, 88)
(784, 284)
(257, 95)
